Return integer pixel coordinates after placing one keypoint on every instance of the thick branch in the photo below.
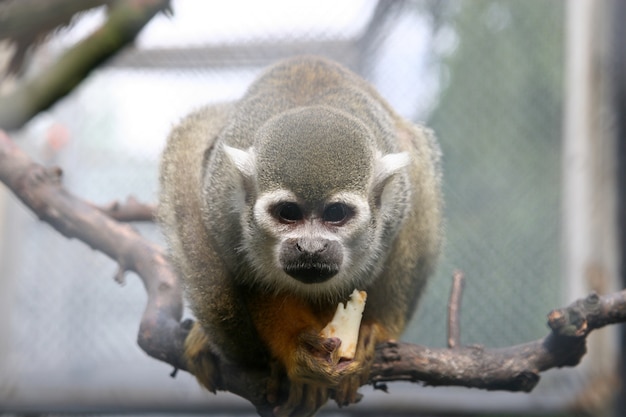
(162, 335)
(126, 19)
(40, 189)
(514, 368)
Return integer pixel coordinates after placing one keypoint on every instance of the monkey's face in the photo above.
(313, 219)
(310, 247)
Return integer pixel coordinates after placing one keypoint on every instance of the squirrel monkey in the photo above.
(277, 206)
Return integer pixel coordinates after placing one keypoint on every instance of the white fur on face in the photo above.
(269, 234)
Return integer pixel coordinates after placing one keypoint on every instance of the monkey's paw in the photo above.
(315, 372)
(200, 360)
(317, 361)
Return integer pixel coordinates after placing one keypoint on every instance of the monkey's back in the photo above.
(308, 81)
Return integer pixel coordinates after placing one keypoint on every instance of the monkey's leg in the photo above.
(304, 400)
(200, 359)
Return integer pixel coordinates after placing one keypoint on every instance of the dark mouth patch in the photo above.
(311, 261)
(311, 273)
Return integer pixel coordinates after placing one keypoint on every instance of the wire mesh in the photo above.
(486, 75)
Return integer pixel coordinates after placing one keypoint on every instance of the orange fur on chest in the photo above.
(281, 320)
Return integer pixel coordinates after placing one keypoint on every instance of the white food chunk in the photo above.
(345, 324)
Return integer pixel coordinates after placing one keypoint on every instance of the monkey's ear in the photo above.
(245, 161)
(387, 166)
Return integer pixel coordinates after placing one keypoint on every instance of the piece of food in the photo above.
(345, 324)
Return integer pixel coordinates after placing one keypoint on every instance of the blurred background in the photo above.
(489, 76)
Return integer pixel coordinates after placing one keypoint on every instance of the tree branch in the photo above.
(126, 19)
(162, 334)
(40, 189)
(26, 23)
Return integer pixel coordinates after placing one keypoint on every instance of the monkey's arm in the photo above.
(179, 212)
(291, 329)
(215, 301)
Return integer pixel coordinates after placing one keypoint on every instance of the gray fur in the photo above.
(309, 127)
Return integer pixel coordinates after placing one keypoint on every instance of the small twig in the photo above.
(130, 211)
(454, 309)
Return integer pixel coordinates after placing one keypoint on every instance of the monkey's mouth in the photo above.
(311, 273)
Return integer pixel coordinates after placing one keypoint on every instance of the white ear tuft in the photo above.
(388, 165)
(243, 160)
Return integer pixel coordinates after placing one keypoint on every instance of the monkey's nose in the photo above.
(311, 260)
(311, 245)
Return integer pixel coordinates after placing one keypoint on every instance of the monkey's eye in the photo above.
(288, 212)
(336, 213)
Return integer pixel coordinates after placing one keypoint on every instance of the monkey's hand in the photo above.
(200, 360)
(317, 368)
(311, 360)
(318, 359)
(346, 392)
